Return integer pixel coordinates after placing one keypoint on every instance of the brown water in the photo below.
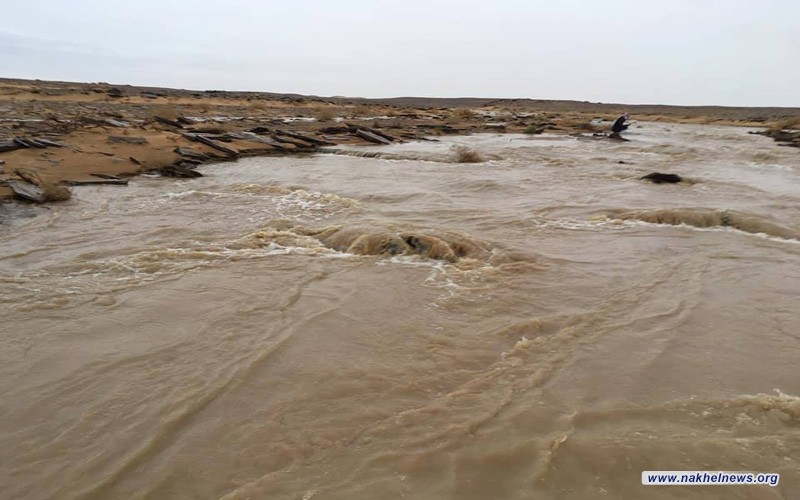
(540, 325)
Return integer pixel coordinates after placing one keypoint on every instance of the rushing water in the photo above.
(539, 325)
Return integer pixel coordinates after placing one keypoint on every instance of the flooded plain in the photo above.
(538, 325)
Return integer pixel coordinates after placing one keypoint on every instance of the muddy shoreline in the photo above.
(95, 133)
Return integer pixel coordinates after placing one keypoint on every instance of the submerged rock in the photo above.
(710, 218)
(659, 178)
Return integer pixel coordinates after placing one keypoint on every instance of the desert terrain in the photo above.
(57, 134)
(284, 296)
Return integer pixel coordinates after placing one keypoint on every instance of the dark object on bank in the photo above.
(784, 137)
(620, 124)
(659, 178)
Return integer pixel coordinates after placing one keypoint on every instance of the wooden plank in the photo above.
(311, 140)
(369, 136)
(167, 121)
(126, 139)
(9, 145)
(250, 136)
(114, 182)
(24, 142)
(48, 142)
(33, 142)
(190, 153)
(214, 144)
(294, 142)
(116, 123)
(373, 131)
(27, 191)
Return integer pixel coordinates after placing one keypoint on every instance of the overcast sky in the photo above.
(724, 52)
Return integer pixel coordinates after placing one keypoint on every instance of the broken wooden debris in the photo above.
(116, 123)
(212, 143)
(206, 130)
(104, 176)
(190, 153)
(52, 191)
(27, 142)
(369, 136)
(259, 151)
(312, 140)
(252, 137)
(178, 171)
(126, 139)
(9, 145)
(354, 128)
(49, 143)
(294, 142)
(334, 130)
(93, 182)
(27, 191)
(167, 121)
(445, 129)
(187, 163)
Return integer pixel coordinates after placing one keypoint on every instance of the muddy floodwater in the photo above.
(539, 325)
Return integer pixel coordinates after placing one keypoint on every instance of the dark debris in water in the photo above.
(659, 178)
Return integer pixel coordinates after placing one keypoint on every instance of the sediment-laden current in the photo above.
(540, 325)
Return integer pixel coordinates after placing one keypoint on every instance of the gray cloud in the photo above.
(661, 51)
